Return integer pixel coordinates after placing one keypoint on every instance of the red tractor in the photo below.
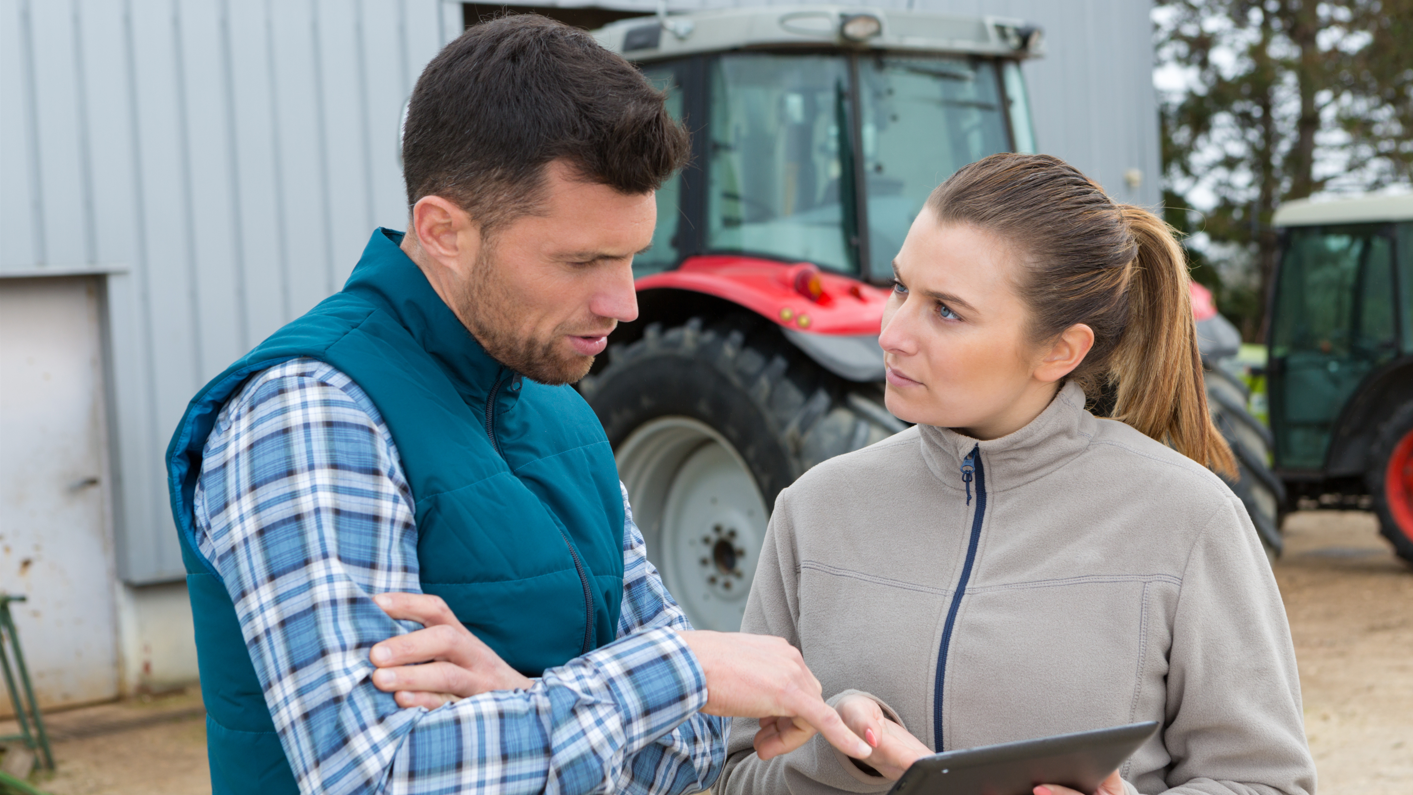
(818, 133)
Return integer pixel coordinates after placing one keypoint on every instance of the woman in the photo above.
(1013, 567)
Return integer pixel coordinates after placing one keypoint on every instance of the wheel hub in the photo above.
(701, 513)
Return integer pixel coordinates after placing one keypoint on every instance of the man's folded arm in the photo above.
(303, 508)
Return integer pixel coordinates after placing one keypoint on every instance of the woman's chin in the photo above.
(901, 407)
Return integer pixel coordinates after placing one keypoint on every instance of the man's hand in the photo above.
(894, 748)
(438, 664)
(762, 676)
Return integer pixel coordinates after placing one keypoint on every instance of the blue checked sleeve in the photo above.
(303, 508)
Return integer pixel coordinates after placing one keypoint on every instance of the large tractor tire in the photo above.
(1260, 490)
(709, 421)
(1389, 477)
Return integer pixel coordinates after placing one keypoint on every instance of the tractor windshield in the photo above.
(824, 157)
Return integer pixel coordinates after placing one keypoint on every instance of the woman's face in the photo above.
(954, 335)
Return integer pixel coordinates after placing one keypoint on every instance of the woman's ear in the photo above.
(1065, 353)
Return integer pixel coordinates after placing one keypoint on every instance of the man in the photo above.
(415, 433)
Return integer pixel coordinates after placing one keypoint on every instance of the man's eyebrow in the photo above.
(953, 301)
(594, 256)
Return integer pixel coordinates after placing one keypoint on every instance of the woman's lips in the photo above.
(589, 346)
(898, 379)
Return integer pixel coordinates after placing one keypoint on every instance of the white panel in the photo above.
(54, 545)
(388, 88)
(342, 95)
(262, 232)
(63, 203)
(171, 302)
(300, 138)
(104, 58)
(212, 185)
(17, 186)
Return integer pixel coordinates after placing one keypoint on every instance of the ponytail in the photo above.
(1158, 354)
(1115, 268)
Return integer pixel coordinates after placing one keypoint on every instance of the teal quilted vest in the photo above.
(518, 508)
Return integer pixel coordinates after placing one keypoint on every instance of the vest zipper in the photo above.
(491, 414)
(578, 564)
(971, 464)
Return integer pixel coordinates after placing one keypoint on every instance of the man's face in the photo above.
(545, 290)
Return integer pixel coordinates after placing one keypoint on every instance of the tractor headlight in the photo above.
(860, 27)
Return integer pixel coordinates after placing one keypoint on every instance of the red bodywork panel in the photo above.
(842, 306)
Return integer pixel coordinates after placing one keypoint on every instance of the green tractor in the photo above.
(1339, 372)
(818, 133)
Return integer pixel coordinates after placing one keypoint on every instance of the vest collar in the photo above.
(386, 276)
(1056, 437)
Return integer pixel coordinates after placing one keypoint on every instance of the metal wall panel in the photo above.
(220, 163)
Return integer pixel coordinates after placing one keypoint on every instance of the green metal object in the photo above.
(9, 785)
(21, 691)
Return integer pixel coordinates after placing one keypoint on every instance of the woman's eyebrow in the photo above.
(953, 301)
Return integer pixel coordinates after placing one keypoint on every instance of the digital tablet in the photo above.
(1079, 761)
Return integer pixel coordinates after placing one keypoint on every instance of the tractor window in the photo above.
(779, 158)
(1405, 282)
(923, 118)
(663, 254)
(1334, 324)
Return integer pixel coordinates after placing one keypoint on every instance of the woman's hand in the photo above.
(894, 748)
(1113, 785)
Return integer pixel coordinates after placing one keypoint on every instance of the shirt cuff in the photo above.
(656, 680)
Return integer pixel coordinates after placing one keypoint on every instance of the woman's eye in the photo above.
(946, 313)
(899, 288)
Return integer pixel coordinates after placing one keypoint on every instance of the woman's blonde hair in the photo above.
(1114, 267)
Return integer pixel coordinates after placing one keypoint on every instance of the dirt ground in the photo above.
(1349, 599)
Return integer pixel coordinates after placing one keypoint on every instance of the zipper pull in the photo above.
(968, 467)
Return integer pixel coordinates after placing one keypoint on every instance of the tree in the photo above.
(1281, 99)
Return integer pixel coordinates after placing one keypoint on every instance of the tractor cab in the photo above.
(1340, 366)
(818, 133)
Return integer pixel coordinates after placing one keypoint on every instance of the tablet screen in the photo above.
(1080, 761)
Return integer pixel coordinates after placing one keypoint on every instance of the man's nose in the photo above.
(616, 297)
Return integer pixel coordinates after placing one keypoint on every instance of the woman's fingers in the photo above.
(864, 718)
(1113, 785)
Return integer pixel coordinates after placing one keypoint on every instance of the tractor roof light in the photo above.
(1029, 40)
(806, 281)
(859, 28)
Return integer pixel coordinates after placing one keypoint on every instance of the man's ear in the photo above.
(1065, 353)
(445, 233)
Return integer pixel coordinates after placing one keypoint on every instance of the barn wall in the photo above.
(219, 164)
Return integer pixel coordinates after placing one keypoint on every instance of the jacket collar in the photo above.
(1056, 437)
(388, 278)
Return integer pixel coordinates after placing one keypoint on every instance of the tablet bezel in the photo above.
(1070, 760)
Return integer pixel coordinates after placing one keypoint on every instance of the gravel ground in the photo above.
(1350, 602)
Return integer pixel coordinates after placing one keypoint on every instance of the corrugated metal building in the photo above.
(178, 178)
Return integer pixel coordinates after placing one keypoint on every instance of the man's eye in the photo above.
(945, 313)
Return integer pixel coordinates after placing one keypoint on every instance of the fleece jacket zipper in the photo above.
(588, 643)
(971, 471)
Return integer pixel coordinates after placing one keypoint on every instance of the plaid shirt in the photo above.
(303, 508)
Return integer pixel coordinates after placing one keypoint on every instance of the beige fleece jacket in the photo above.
(1113, 580)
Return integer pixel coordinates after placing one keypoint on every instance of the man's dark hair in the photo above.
(513, 94)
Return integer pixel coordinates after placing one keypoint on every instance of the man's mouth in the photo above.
(588, 345)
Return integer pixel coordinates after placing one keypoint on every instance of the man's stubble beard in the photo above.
(486, 306)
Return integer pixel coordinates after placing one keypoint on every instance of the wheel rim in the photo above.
(1398, 484)
(702, 515)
